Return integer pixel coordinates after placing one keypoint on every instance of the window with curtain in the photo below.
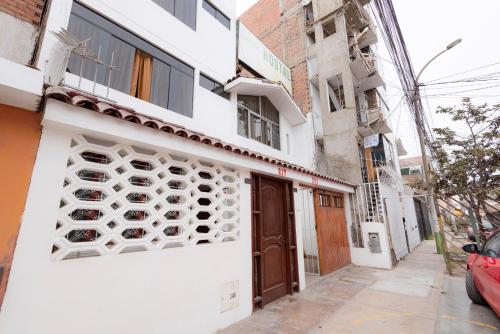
(144, 71)
(258, 119)
(184, 10)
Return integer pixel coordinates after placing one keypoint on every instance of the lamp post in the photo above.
(425, 162)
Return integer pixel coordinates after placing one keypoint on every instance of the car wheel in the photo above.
(472, 292)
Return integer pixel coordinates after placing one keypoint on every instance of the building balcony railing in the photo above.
(372, 121)
(362, 63)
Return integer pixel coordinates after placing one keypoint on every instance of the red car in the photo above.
(483, 272)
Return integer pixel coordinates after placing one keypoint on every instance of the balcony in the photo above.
(367, 37)
(364, 69)
(356, 16)
(372, 121)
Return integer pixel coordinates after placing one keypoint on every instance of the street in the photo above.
(415, 297)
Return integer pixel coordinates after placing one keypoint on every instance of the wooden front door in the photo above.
(274, 249)
(331, 228)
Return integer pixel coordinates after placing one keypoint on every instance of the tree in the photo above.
(469, 165)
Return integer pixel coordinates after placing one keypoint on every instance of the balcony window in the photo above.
(143, 70)
(219, 16)
(258, 119)
(184, 10)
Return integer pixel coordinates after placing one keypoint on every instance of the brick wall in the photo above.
(26, 10)
(280, 26)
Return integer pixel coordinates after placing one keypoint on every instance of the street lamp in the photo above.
(421, 137)
(448, 47)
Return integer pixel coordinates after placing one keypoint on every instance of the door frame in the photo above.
(290, 237)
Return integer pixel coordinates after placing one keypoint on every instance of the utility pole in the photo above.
(431, 200)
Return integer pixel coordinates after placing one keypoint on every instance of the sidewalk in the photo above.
(361, 300)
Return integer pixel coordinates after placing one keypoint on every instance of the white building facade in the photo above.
(146, 194)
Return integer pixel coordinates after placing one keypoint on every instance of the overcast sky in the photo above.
(428, 26)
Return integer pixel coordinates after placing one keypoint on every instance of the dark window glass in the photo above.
(180, 98)
(219, 16)
(259, 119)
(405, 171)
(209, 8)
(242, 122)
(184, 10)
(160, 83)
(171, 80)
(213, 86)
(96, 37)
(168, 5)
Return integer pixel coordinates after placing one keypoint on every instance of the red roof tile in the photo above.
(83, 100)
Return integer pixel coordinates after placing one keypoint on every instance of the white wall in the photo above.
(410, 218)
(175, 290)
(362, 256)
(394, 217)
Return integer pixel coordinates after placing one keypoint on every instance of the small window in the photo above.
(258, 119)
(336, 93)
(329, 28)
(308, 10)
(405, 171)
(184, 10)
(219, 16)
(324, 200)
(213, 86)
(311, 37)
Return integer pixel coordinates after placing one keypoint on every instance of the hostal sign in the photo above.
(256, 55)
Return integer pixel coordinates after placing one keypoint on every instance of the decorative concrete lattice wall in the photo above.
(121, 198)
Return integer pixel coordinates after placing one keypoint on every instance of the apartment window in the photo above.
(184, 10)
(336, 93)
(259, 119)
(219, 16)
(145, 71)
(405, 171)
(329, 28)
(311, 37)
(213, 86)
(309, 13)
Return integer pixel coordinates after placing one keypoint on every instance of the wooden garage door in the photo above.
(331, 227)
(273, 232)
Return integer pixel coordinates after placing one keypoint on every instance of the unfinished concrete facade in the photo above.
(333, 39)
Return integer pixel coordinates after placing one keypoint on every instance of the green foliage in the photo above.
(469, 165)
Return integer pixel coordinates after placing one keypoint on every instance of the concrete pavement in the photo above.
(408, 299)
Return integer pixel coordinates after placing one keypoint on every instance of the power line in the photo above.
(467, 71)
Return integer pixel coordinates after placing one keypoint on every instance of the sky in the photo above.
(427, 27)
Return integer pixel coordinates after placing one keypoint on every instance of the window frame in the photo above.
(119, 32)
(261, 117)
(178, 18)
(222, 94)
(218, 12)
